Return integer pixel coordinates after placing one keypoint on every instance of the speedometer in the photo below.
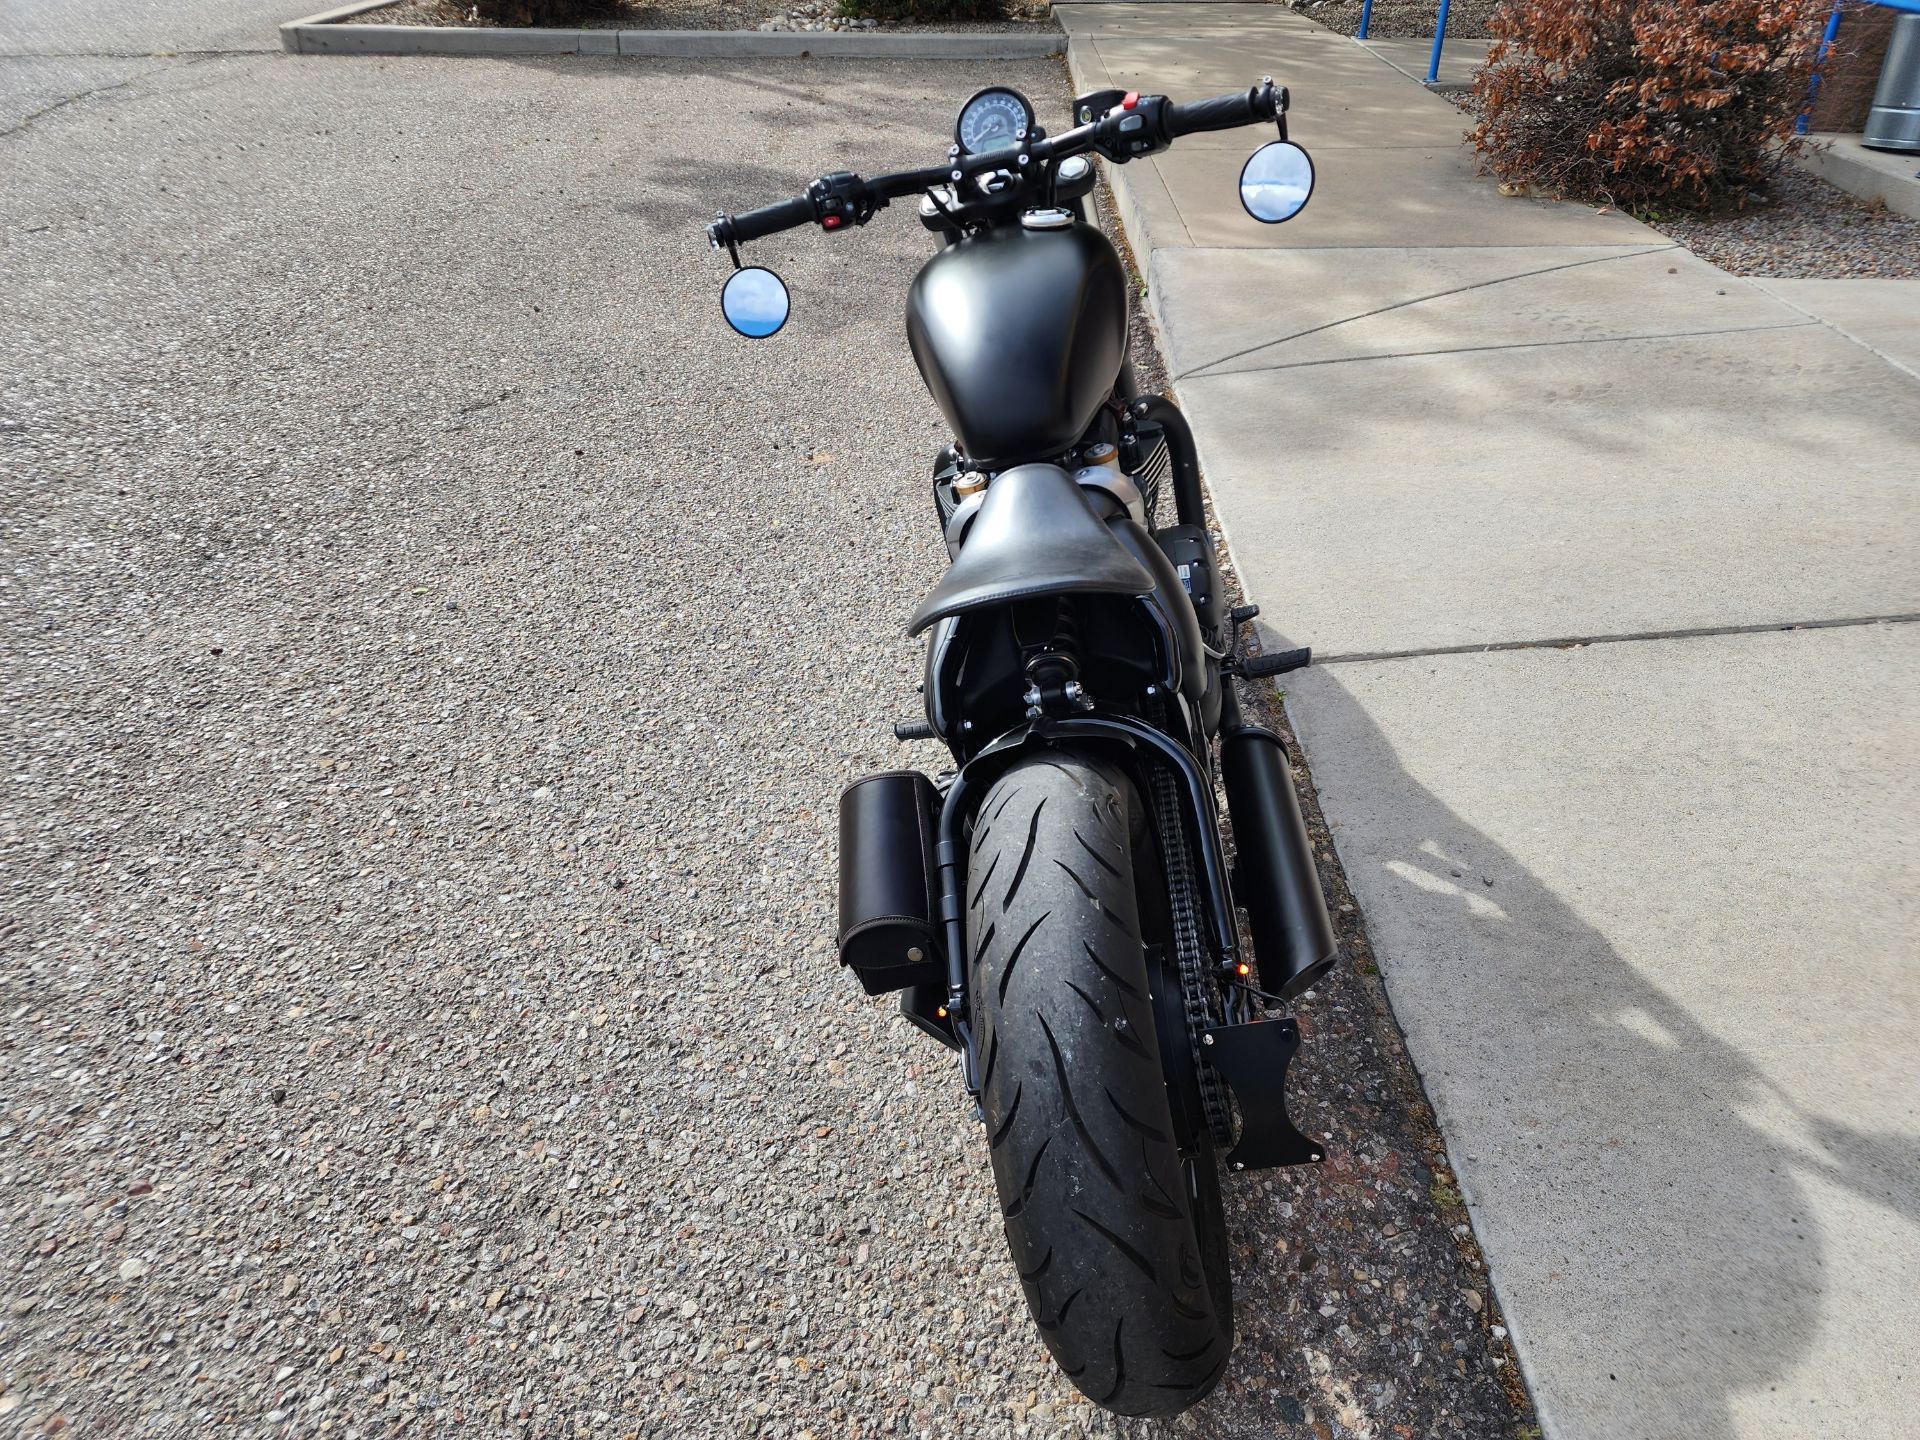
(995, 119)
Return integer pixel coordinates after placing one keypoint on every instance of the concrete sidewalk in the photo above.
(1646, 908)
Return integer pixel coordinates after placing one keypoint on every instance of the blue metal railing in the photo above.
(1819, 59)
(1908, 7)
(1439, 39)
(1439, 33)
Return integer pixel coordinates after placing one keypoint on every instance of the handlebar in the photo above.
(1139, 125)
(1225, 112)
(771, 219)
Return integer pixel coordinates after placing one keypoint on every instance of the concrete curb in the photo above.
(1843, 162)
(329, 33)
(1126, 210)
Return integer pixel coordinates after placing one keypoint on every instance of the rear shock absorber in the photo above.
(1053, 670)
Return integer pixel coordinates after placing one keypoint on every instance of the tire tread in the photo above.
(1094, 1196)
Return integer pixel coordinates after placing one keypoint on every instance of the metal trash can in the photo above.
(1894, 121)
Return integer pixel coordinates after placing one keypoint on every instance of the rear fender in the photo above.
(974, 685)
(1147, 745)
(973, 672)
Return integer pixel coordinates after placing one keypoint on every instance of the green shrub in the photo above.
(1645, 102)
(923, 11)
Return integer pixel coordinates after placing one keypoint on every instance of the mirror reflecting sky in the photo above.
(755, 302)
(1276, 182)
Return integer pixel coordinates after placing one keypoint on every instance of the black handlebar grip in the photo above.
(1224, 112)
(770, 219)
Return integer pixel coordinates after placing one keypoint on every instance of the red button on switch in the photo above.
(830, 222)
(1133, 99)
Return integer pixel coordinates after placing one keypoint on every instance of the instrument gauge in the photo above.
(995, 119)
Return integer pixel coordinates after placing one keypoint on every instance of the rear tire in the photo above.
(1117, 1237)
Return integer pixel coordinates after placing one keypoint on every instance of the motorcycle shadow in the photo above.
(1362, 1311)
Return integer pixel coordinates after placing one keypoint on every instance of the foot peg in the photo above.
(1253, 1060)
(904, 730)
(1278, 662)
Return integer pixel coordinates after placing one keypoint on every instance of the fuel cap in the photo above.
(1047, 219)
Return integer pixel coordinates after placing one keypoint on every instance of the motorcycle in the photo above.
(1059, 907)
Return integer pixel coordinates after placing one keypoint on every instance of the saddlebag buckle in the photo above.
(1253, 1060)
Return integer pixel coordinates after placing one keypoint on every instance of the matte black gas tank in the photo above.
(1019, 334)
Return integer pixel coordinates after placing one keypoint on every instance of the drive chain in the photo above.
(1196, 990)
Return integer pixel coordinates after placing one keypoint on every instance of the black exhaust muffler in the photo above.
(1275, 882)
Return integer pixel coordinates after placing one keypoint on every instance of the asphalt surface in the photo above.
(434, 645)
(142, 27)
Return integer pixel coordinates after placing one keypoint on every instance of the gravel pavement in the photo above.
(143, 27)
(433, 646)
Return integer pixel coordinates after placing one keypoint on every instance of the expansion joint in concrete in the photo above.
(1575, 642)
(1516, 345)
(1199, 370)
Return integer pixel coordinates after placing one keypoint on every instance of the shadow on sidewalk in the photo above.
(1697, 1196)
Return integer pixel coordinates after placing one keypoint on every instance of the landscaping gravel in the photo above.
(710, 15)
(1399, 19)
(1803, 229)
(433, 645)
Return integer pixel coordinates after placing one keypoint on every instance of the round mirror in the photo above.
(1276, 181)
(755, 302)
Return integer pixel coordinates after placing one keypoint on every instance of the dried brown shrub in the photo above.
(1645, 102)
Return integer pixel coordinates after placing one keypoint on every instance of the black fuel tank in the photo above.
(1019, 334)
